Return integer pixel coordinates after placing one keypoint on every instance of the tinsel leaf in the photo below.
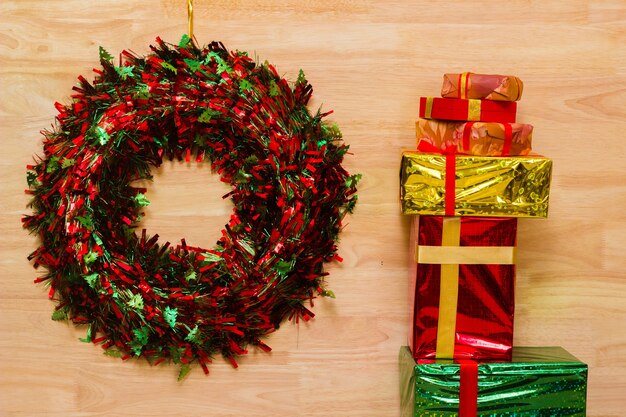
(89, 337)
(176, 353)
(85, 221)
(184, 41)
(332, 131)
(141, 200)
(170, 314)
(245, 85)
(125, 72)
(104, 55)
(284, 267)
(136, 302)
(193, 336)
(190, 275)
(31, 178)
(222, 66)
(97, 239)
(184, 371)
(102, 135)
(193, 64)
(274, 90)
(211, 257)
(353, 180)
(207, 115)
(140, 339)
(53, 164)
(328, 293)
(301, 78)
(60, 314)
(113, 352)
(90, 257)
(169, 67)
(142, 93)
(91, 279)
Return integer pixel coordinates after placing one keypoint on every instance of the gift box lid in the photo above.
(525, 359)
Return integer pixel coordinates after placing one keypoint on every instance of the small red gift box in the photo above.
(462, 282)
(468, 109)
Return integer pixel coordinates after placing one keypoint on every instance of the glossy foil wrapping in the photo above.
(517, 186)
(482, 86)
(539, 382)
(483, 138)
(486, 302)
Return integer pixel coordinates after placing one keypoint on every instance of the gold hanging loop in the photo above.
(190, 17)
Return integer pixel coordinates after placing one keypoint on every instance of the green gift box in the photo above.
(538, 382)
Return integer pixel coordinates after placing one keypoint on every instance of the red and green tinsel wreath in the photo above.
(290, 193)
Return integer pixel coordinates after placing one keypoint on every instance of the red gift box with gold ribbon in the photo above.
(468, 109)
(462, 282)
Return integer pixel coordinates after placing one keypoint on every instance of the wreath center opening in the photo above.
(185, 202)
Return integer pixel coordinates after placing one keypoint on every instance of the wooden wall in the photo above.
(369, 61)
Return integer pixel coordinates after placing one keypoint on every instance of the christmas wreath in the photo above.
(143, 298)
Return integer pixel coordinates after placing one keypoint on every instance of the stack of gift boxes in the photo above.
(473, 175)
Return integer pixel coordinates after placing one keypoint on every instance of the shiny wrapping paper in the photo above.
(468, 110)
(483, 186)
(480, 323)
(477, 138)
(539, 382)
(482, 86)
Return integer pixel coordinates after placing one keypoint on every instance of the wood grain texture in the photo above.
(369, 61)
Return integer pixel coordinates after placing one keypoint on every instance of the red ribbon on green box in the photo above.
(468, 391)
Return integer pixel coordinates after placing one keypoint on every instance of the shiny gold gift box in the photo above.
(516, 186)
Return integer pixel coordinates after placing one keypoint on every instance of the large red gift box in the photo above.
(462, 282)
(468, 110)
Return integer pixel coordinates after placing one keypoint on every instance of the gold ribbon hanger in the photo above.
(190, 18)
